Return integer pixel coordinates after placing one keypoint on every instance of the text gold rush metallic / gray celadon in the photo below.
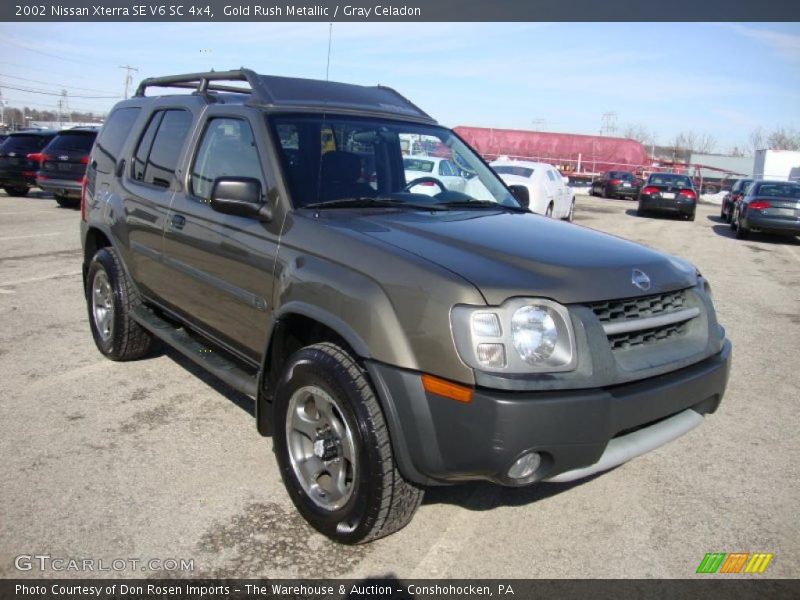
(396, 329)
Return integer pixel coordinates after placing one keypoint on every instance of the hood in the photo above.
(511, 254)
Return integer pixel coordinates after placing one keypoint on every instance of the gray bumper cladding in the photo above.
(626, 447)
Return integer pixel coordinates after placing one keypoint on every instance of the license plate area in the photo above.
(668, 195)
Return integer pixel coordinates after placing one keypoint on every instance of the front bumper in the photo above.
(437, 440)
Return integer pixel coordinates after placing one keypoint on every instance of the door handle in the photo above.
(177, 221)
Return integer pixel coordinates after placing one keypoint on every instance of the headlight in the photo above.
(522, 336)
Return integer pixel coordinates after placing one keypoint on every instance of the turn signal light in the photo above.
(446, 389)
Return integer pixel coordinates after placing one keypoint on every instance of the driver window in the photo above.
(227, 149)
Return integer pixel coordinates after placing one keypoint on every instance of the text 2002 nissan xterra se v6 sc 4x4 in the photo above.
(392, 338)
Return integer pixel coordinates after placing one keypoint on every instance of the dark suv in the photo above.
(19, 160)
(63, 164)
(264, 227)
(616, 184)
(729, 201)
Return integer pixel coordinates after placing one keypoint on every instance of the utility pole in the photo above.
(609, 123)
(63, 108)
(128, 77)
(2, 110)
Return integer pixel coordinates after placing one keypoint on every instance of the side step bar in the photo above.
(212, 361)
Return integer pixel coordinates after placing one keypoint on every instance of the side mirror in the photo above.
(240, 196)
(565, 179)
(520, 192)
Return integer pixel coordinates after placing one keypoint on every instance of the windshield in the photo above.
(511, 170)
(332, 158)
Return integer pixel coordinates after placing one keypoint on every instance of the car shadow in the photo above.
(223, 389)
(652, 215)
(482, 496)
(763, 238)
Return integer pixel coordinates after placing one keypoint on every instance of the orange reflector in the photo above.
(443, 388)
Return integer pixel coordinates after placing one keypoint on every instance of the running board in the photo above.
(205, 356)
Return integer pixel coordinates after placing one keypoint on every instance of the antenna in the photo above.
(128, 77)
(330, 38)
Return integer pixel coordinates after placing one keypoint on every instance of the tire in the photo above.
(65, 201)
(742, 233)
(549, 212)
(12, 190)
(110, 298)
(323, 384)
(640, 212)
(722, 216)
(571, 214)
(732, 220)
(690, 217)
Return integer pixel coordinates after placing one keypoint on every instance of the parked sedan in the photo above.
(430, 170)
(768, 207)
(738, 190)
(63, 164)
(19, 160)
(616, 184)
(548, 191)
(668, 193)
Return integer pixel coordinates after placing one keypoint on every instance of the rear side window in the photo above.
(112, 137)
(227, 149)
(157, 153)
(73, 142)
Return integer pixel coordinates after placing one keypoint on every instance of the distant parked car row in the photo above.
(54, 161)
(616, 184)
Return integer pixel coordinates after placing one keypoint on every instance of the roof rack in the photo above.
(291, 92)
(202, 83)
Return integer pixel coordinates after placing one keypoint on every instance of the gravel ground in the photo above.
(156, 460)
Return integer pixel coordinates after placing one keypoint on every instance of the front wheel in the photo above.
(571, 214)
(333, 449)
(549, 212)
(110, 298)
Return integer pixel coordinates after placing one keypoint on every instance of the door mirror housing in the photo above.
(565, 179)
(520, 192)
(240, 196)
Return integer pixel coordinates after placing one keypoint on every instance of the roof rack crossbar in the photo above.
(201, 83)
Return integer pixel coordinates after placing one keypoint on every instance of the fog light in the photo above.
(525, 465)
(492, 355)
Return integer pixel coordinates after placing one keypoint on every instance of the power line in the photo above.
(42, 52)
(30, 91)
(55, 84)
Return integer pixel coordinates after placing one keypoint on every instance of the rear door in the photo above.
(149, 185)
(222, 265)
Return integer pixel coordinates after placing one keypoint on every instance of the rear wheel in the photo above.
(65, 201)
(17, 190)
(640, 212)
(110, 298)
(549, 211)
(571, 214)
(690, 217)
(333, 448)
(742, 233)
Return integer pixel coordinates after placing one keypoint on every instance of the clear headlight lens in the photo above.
(524, 335)
(534, 333)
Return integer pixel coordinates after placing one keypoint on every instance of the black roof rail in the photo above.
(205, 82)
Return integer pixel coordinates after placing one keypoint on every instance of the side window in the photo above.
(444, 168)
(157, 154)
(550, 175)
(227, 149)
(113, 136)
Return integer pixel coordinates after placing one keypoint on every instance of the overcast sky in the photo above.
(721, 79)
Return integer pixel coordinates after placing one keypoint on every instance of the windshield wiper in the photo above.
(369, 201)
(482, 204)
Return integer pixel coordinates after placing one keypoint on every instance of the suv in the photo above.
(63, 164)
(390, 340)
(19, 160)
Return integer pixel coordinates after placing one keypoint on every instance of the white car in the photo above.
(548, 191)
(433, 167)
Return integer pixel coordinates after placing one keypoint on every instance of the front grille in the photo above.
(646, 337)
(636, 308)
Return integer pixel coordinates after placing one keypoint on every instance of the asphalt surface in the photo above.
(156, 460)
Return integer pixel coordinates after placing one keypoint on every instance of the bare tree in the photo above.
(705, 144)
(736, 151)
(640, 133)
(783, 139)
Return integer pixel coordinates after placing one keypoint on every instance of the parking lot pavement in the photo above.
(155, 460)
